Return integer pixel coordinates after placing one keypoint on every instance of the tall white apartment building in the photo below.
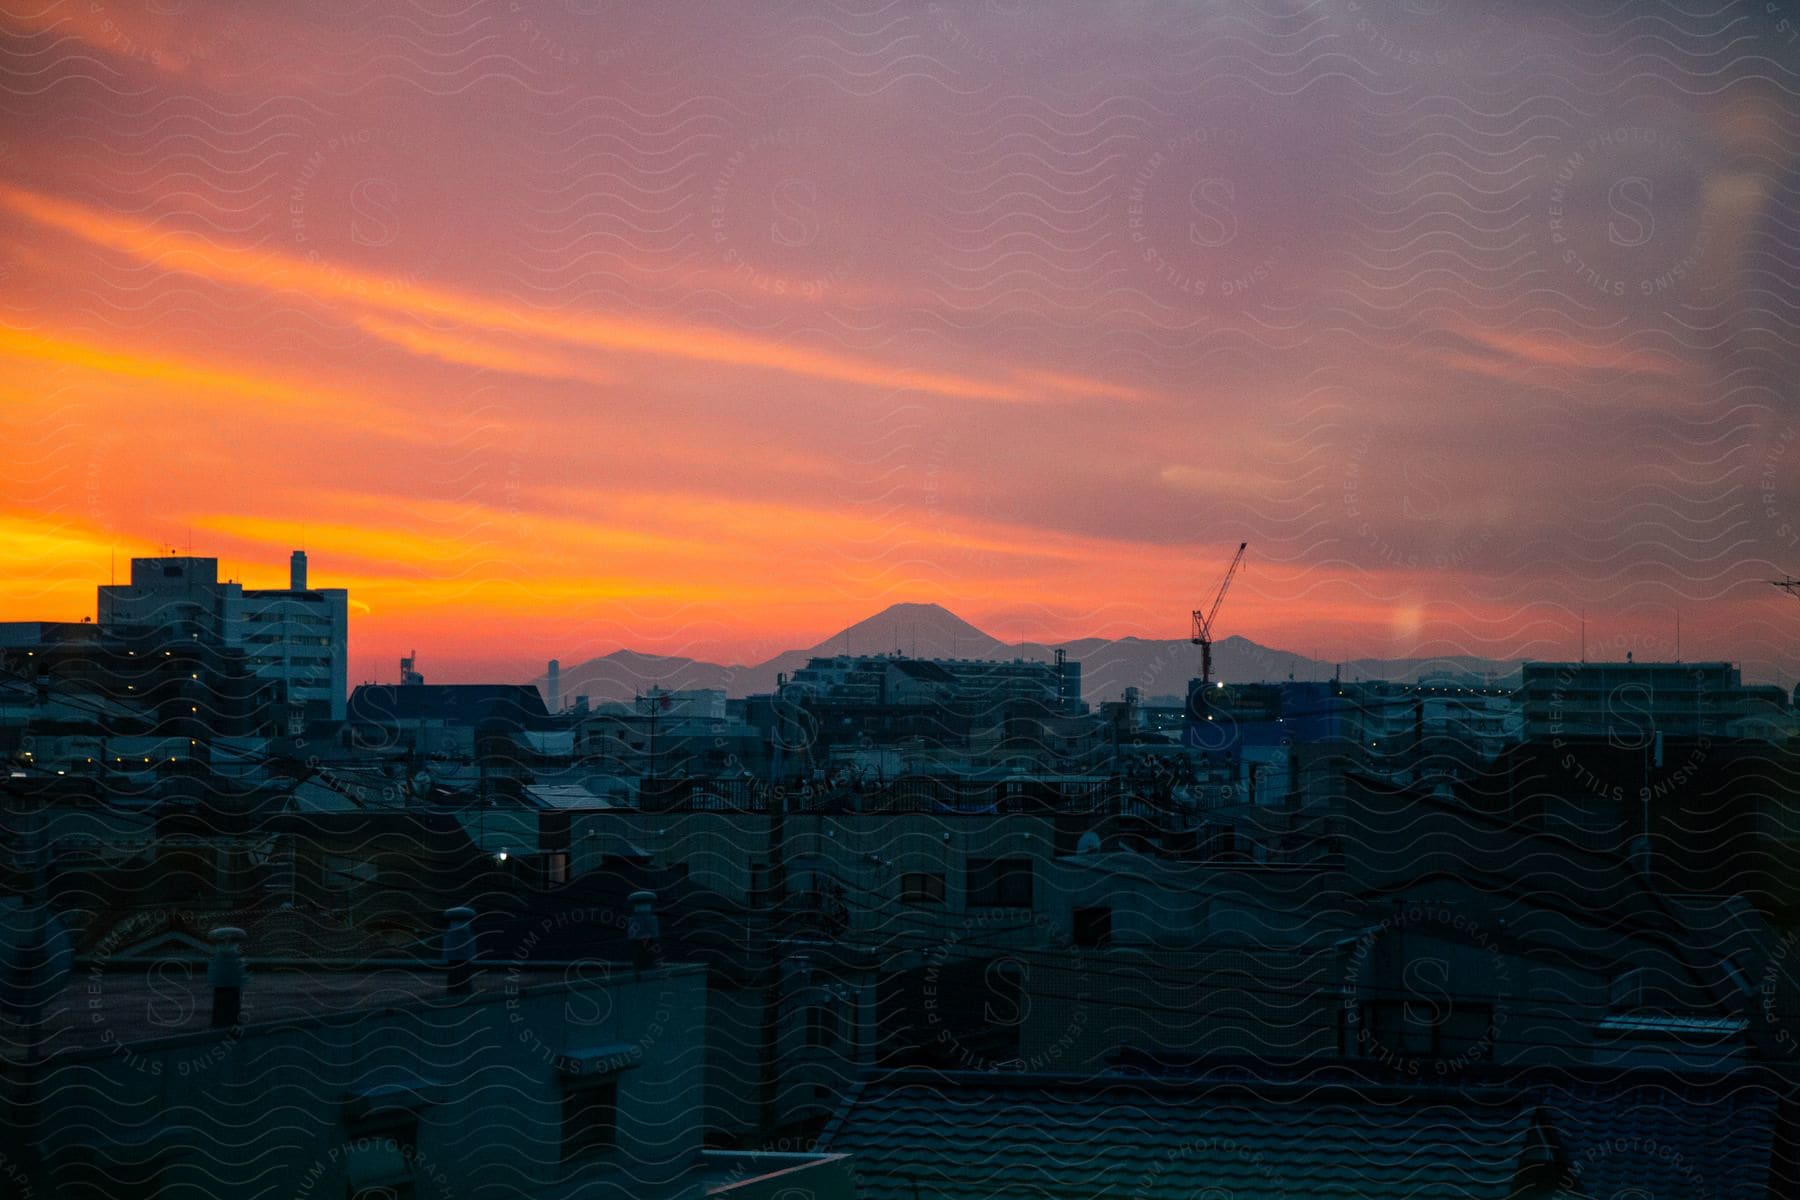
(297, 636)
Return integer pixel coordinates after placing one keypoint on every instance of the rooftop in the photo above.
(104, 1005)
(998, 1137)
(778, 1175)
(1626, 1131)
(455, 703)
(923, 670)
(1256, 1131)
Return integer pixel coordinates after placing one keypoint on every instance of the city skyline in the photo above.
(900, 599)
(662, 354)
(896, 628)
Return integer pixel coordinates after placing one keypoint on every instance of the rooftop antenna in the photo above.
(1678, 635)
(1584, 635)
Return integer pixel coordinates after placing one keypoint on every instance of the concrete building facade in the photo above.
(1629, 703)
(297, 636)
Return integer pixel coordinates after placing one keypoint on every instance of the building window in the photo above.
(999, 883)
(590, 1118)
(822, 1026)
(1093, 926)
(921, 887)
(1387, 1028)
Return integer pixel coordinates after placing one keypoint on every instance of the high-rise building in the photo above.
(297, 636)
(182, 597)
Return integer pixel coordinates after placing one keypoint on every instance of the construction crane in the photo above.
(1203, 620)
(1790, 585)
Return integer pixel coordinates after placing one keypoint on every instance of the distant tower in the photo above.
(297, 571)
(555, 688)
(408, 676)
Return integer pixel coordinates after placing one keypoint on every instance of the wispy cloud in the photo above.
(335, 285)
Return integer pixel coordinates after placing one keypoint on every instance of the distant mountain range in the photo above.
(1108, 665)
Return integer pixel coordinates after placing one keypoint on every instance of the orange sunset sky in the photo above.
(710, 333)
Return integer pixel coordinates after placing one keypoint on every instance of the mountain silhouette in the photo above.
(1156, 667)
(917, 630)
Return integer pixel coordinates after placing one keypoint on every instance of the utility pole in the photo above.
(1418, 739)
(654, 701)
(37, 975)
(774, 924)
(769, 1081)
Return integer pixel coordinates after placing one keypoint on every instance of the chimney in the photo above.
(555, 688)
(644, 928)
(459, 950)
(226, 974)
(297, 571)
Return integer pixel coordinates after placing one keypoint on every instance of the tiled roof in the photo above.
(1668, 1139)
(1646, 1133)
(917, 1135)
